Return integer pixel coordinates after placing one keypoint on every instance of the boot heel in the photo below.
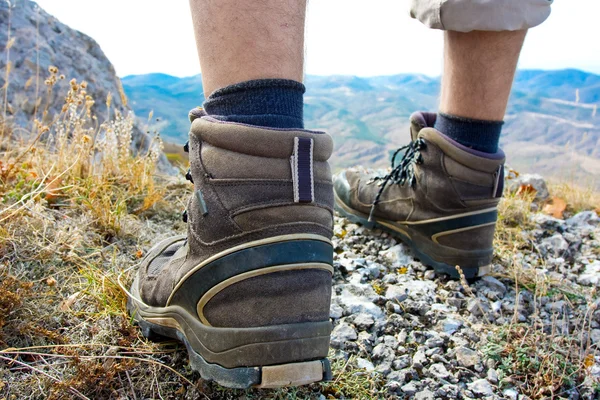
(257, 316)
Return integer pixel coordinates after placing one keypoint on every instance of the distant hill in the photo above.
(552, 125)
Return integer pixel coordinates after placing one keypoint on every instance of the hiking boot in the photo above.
(441, 199)
(248, 289)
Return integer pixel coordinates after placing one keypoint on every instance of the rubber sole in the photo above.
(424, 250)
(272, 376)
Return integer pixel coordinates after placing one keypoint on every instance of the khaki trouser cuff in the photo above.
(480, 15)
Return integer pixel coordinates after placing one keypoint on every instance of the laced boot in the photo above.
(248, 289)
(441, 199)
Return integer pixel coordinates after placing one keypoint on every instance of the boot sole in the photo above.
(271, 376)
(474, 264)
(274, 376)
(265, 357)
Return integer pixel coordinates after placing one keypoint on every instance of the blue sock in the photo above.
(274, 103)
(476, 134)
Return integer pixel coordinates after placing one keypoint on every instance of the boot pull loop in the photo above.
(498, 181)
(302, 170)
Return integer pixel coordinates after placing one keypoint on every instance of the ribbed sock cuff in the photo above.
(477, 134)
(275, 103)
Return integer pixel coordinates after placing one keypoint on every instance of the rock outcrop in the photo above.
(38, 41)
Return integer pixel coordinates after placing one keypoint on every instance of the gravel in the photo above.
(425, 335)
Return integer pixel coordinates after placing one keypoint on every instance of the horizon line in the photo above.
(376, 76)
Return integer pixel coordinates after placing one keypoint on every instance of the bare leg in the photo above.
(244, 40)
(479, 68)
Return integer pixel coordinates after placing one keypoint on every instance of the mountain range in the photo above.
(552, 125)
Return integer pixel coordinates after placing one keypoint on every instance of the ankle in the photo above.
(477, 134)
(274, 103)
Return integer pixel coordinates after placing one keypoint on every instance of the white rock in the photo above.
(584, 218)
(492, 376)
(556, 244)
(467, 357)
(494, 284)
(335, 311)
(594, 370)
(425, 394)
(410, 388)
(439, 370)
(364, 321)
(549, 223)
(451, 325)
(497, 306)
(372, 271)
(382, 352)
(394, 292)
(591, 274)
(365, 364)
(418, 290)
(385, 368)
(357, 298)
(402, 362)
(443, 308)
(341, 333)
(511, 394)
(398, 255)
(390, 341)
(481, 387)
(434, 341)
(536, 181)
(420, 357)
(477, 307)
(347, 263)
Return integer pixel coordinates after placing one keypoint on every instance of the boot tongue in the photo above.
(420, 120)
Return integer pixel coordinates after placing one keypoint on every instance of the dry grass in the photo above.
(578, 198)
(73, 214)
(514, 222)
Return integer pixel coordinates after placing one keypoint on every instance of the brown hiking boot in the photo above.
(441, 199)
(248, 290)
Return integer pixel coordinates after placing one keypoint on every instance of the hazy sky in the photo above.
(343, 36)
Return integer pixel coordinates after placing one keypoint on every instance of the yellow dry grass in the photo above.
(578, 198)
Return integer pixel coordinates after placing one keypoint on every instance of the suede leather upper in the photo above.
(244, 177)
(450, 180)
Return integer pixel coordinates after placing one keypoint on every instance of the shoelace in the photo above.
(402, 173)
(188, 176)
